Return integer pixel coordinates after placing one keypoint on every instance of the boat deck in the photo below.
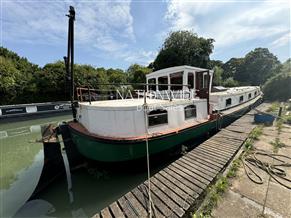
(183, 183)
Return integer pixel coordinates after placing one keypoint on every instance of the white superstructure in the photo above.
(176, 98)
(233, 97)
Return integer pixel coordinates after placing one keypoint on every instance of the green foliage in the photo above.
(24, 82)
(278, 88)
(256, 132)
(274, 106)
(248, 145)
(257, 66)
(214, 63)
(233, 169)
(184, 48)
(137, 74)
(277, 144)
(213, 196)
(217, 77)
(230, 82)
(232, 68)
(9, 78)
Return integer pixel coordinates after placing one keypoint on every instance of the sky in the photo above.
(116, 34)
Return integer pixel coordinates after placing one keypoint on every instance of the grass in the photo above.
(256, 132)
(287, 119)
(219, 188)
(279, 125)
(214, 194)
(277, 144)
(233, 169)
(274, 106)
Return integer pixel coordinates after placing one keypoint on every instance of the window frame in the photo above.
(190, 107)
(226, 102)
(162, 113)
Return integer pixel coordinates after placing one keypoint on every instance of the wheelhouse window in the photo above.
(176, 78)
(190, 80)
(250, 95)
(241, 99)
(157, 117)
(190, 111)
(228, 102)
(162, 81)
(205, 80)
(153, 86)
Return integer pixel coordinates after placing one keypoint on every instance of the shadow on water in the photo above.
(94, 185)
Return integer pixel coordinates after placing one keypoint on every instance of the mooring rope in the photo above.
(148, 162)
(276, 168)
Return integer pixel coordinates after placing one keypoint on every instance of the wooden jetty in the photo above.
(183, 183)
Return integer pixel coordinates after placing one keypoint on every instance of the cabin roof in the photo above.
(236, 90)
(133, 103)
(166, 71)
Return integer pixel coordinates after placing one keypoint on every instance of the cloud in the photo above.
(141, 56)
(101, 25)
(231, 22)
(282, 41)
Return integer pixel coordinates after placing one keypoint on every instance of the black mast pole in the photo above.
(69, 60)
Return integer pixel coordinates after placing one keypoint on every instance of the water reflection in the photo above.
(21, 162)
(93, 187)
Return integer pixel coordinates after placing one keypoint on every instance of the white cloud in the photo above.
(103, 25)
(282, 41)
(230, 22)
(141, 56)
(182, 14)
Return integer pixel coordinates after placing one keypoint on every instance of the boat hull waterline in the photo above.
(106, 150)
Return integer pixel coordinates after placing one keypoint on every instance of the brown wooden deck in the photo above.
(179, 186)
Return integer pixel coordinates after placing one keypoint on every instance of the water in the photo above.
(93, 188)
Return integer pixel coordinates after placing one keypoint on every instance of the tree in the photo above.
(137, 74)
(230, 82)
(51, 82)
(217, 77)
(278, 88)
(257, 67)
(232, 67)
(214, 63)
(116, 76)
(184, 48)
(9, 78)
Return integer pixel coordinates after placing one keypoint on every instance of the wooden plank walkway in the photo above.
(178, 186)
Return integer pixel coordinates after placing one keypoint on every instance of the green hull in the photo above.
(115, 151)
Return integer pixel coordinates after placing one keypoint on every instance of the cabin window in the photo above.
(190, 80)
(250, 95)
(241, 99)
(228, 102)
(152, 87)
(162, 81)
(157, 117)
(177, 78)
(190, 111)
(255, 93)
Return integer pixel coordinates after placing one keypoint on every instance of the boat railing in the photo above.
(132, 91)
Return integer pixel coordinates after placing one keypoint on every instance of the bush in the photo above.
(230, 82)
(278, 88)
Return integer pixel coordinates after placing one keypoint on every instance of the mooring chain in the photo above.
(251, 160)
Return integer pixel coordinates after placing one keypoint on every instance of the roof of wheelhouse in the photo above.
(166, 71)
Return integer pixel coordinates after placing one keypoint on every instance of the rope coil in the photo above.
(276, 168)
